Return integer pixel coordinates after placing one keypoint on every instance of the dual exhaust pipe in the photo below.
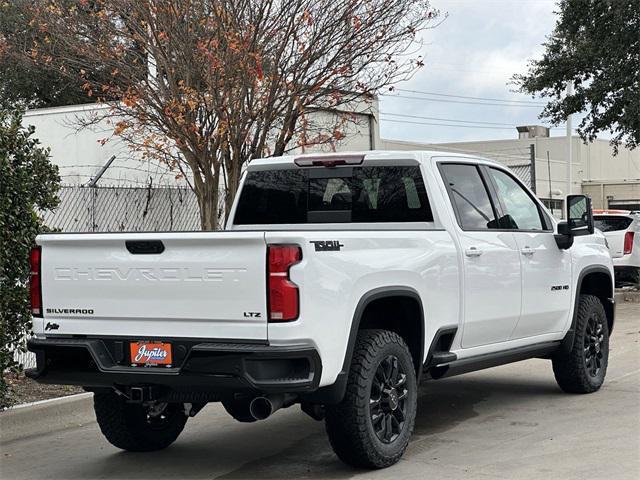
(263, 407)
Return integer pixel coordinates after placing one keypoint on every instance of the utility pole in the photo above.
(549, 176)
(532, 157)
(94, 180)
(92, 185)
(569, 143)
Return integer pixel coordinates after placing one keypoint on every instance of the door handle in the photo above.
(527, 251)
(472, 252)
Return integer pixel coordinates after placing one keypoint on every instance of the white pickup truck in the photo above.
(340, 282)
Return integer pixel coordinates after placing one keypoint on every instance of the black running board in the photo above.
(480, 362)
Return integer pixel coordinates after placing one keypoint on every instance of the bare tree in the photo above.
(206, 85)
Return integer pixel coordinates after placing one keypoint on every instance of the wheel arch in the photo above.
(408, 299)
(411, 302)
(593, 280)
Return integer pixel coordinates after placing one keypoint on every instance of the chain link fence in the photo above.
(26, 359)
(124, 209)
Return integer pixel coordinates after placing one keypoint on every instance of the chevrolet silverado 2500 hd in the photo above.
(341, 281)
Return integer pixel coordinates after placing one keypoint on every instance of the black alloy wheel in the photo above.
(593, 345)
(388, 400)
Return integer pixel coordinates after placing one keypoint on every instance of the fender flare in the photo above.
(332, 394)
(567, 341)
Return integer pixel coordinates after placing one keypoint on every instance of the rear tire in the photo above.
(372, 425)
(583, 369)
(135, 427)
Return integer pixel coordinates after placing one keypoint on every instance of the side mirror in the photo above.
(579, 221)
(579, 215)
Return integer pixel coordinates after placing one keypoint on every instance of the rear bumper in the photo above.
(199, 366)
(630, 260)
(626, 273)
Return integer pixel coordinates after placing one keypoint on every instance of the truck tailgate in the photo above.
(201, 285)
(616, 242)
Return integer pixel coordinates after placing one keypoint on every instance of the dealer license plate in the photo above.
(150, 353)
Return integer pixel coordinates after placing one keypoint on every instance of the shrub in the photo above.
(29, 183)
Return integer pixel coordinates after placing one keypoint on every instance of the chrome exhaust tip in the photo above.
(263, 407)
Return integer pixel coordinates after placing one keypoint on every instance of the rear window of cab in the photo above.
(611, 223)
(333, 195)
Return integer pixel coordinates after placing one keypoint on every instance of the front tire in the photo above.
(372, 425)
(136, 427)
(583, 369)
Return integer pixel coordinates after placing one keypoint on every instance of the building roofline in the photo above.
(85, 107)
(487, 142)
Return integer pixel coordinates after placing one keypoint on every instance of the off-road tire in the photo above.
(125, 425)
(349, 424)
(570, 369)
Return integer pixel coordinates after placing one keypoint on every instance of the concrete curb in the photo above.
(46, 416)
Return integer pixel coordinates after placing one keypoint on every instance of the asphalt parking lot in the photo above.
(510, 422)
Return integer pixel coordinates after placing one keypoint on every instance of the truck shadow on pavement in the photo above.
(441, 406)
(297, 447)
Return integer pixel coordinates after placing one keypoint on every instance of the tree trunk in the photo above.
(206, 186)
(208, 203)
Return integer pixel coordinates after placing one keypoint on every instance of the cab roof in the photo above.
(359, 157)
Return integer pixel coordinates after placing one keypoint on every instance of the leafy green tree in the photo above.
(595, 45)
(22, 80)
(28, 183)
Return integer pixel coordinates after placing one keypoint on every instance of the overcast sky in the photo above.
(473, 53)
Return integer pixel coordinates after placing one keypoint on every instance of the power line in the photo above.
(495, 156)
(462, 101)
(472, 98)
(444, 124)
(446, 119)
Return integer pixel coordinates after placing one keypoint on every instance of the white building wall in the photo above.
(81, 153)
(593, 162)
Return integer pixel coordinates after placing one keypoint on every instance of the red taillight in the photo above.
(283, 293)
(35, 285)
(628, 242)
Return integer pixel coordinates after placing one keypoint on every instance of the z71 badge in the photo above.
(327, 245)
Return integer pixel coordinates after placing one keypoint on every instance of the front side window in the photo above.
(469, 196)
(522, 212)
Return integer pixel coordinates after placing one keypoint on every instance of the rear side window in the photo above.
(340, 195)
(611, 223)
(469, 196)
